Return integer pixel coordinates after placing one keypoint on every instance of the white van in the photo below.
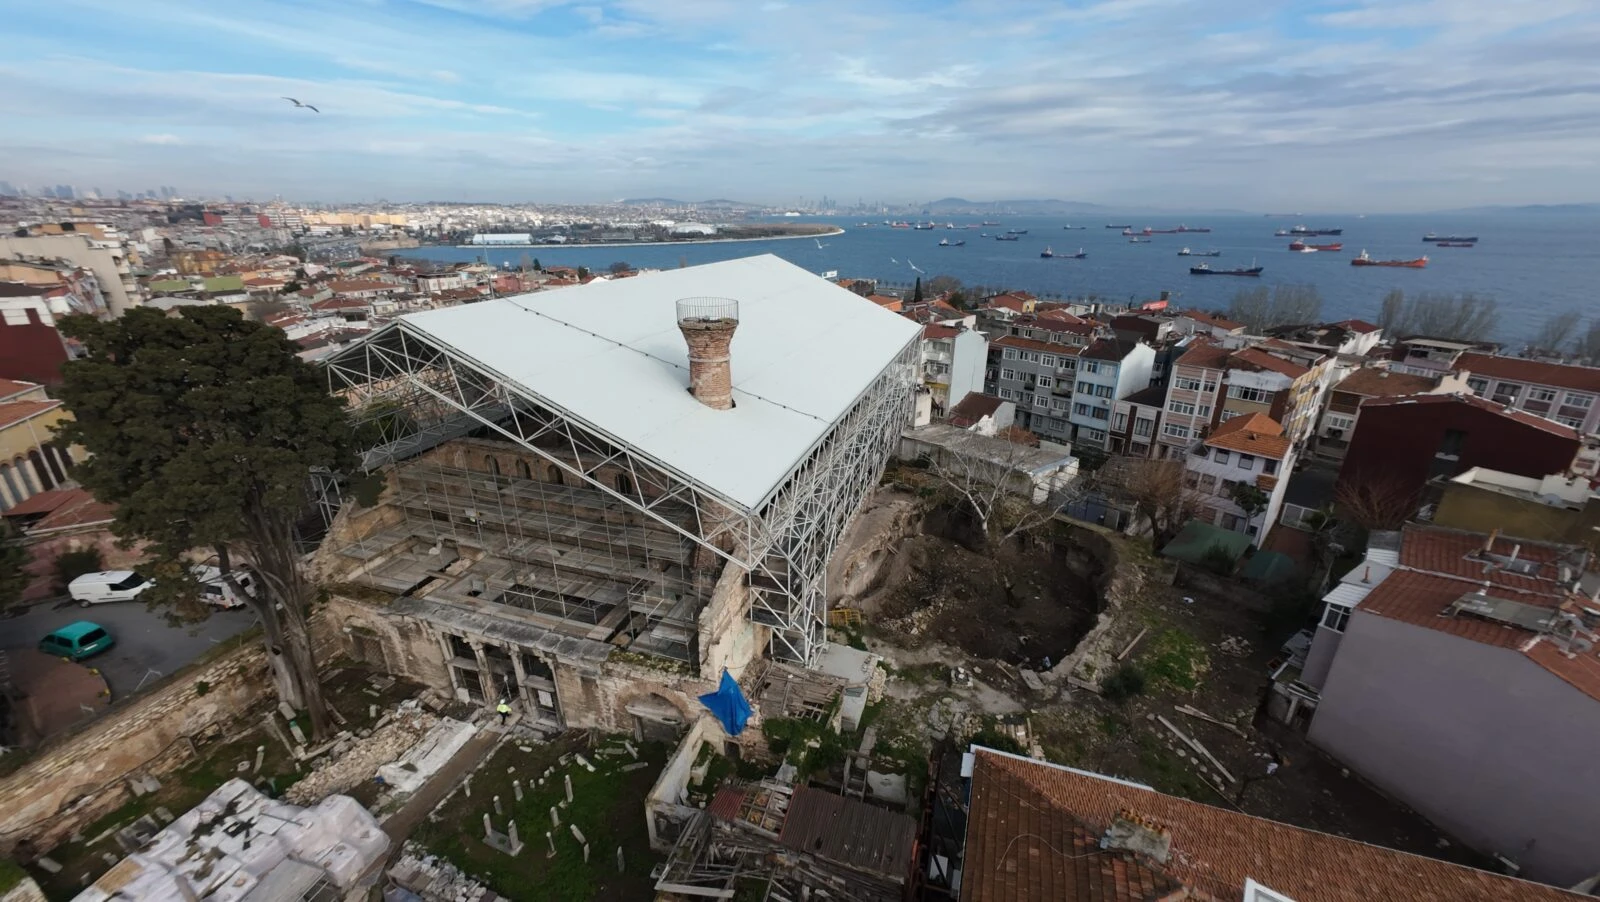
(108, 585)
(214, 590)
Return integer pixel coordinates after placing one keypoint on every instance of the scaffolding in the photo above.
(412, 394)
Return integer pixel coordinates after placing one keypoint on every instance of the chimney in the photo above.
(707, 325)
(1131, 833)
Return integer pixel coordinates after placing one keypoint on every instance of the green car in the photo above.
(77, 641)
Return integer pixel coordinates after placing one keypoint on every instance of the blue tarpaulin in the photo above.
(728, 704)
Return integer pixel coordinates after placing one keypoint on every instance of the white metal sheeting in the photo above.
(610, 354)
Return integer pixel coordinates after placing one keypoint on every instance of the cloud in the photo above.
(1392, 103)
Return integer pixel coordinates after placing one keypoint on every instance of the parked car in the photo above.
(77, 641)
(214, 590)
(108, 585)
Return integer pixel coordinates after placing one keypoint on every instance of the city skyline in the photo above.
(1352, 105)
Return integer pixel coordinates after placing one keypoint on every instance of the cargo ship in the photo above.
(1138, 240)
(1016, 231)
(1129, 226)
(1302, 246)
(1201, 269)
(1197, 229)
(946, 242)
(1450, 239)
(1188, 253)
(1008, 237)
(1302, 231)
(990, 222)
(1079, 255)
(1047, 253)
(1364, 260)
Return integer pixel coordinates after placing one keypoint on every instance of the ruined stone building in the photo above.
(596, 499)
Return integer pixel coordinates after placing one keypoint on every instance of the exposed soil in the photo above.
(1020, 602)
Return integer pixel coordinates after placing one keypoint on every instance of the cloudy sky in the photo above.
(1365, 105)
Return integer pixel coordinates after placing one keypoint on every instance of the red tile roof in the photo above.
(933, 331)
(1519, 416)
(1360, 326)
(13, 412)
(972, 408)
(1254, 433)
(1259, 359)
(1514, 369)
(10, 388)
(342, 304)
(65, 509)
(1017, 341)
(885, 301)
(1206, 355)
(1034, 829)
(1372, 382)
(352, 285)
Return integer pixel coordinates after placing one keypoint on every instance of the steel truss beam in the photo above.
(413, 394)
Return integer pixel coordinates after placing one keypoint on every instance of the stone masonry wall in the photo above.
(81, 776)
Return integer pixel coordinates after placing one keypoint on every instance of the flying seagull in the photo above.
(299, 104)
(820, 245)
(894, 261)
(913, 266)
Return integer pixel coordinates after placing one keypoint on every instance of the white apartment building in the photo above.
(1250, 449)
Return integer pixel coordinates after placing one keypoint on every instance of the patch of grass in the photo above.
(607, 806)
(1175, 660)
(1000, 742)
(11, 874)
(1169, 773)
(807, 744)
(1124, 683)
(922, 674)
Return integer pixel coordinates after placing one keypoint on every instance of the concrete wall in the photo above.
(77, 250)
(968, 358)
(1481, 510)
(1479, 739)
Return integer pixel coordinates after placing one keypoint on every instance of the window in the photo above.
(1244, 393)
(1339, 421)
(1119, 422)
(1478, 386)
(1227, 415)
(1336, 617)
(1208, 483)
(1143, 427)
(1091, 366)
(1182, 407)
(1041, 401)
(1450, 446)
(1580, 401)
(1048, 360)
(1574, 422)
(1185, 383)
(523, 470)
(623, 484)
(1247, 461)
(1059, 403)
(553, 475)
(1191, 479)
(1176, 431)
(1081, 410)
(1104, 391)
(1011, 354)
(132, 580)
(1544, 395)
(1100, 413)
(1046, 382)
(1086, 388)
(1094, 435)
(1204, 410)
(1270, 467)
(1027, 333)
(1008, 394)
(1067, 363)
(1222, 456)
(1008, 375)
(1209, 388)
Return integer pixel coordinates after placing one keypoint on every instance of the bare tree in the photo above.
(1460, 317)
(1588, 344)
(1158, 490)
(993, 480)
(1372, 501)
(1558, 332)
(1284, 305)
(1392, 311)
(620, 267)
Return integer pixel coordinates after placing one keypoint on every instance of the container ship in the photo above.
(1302, 246)
(1201, 269)
(1364, 260)
(1302, 231)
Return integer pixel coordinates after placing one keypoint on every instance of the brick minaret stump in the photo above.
(708, 325)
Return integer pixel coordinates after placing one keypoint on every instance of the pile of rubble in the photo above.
(435, 879)
(351, 760)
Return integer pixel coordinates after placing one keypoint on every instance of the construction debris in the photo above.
(1200, 749)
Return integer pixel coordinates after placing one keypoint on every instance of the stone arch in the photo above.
(491, 464)
(654, 716)
(553, 475)
(523, 470)
(10, 483)
(52, 459)
(623, 483)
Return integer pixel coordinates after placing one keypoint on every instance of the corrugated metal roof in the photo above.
(849, 832)
(610, 353)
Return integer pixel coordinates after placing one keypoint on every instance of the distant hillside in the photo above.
(1549, 209)
(669, 202)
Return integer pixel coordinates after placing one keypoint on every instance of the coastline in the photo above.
(570, 247)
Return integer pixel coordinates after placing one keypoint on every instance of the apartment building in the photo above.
(1250, 449)
(953, 363)
(1135, 420)
(1192, 397)
(1339, 417)
(1109, 370)
(1556, 391)
(1211, 384)
(1039, 378)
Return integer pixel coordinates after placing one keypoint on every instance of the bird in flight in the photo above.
(299, 104)
(912, 265)
(894, 261)
(820, 245)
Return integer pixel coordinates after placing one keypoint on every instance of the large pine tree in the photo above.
(203, 430)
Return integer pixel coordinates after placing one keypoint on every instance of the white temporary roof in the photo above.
(610, 354)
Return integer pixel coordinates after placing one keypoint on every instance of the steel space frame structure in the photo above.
(413, 392)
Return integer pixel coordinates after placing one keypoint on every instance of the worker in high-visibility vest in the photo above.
(504, 710)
